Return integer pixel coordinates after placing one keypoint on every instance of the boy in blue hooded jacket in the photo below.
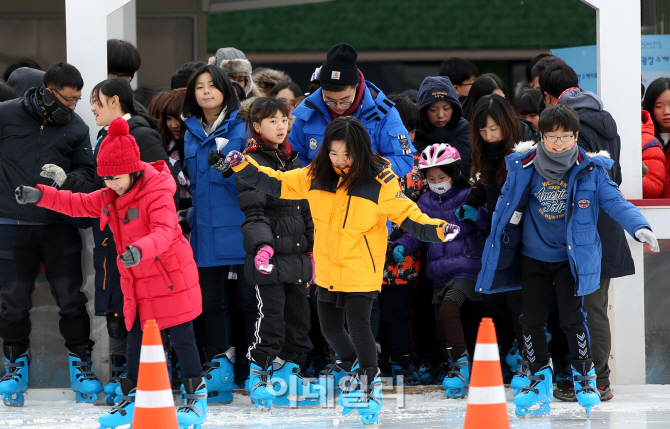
(543, 236)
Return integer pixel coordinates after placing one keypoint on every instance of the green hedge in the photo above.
(406, 24)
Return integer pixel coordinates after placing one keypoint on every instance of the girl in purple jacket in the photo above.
(452, 266)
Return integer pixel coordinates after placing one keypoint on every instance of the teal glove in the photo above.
(55, 173)
(398, 254)
(466, 213)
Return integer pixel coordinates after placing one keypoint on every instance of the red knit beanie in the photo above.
(119, 153)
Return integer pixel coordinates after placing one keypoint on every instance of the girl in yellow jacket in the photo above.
(351, 193)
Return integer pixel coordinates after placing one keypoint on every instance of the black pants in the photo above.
(395, 306)
(282, 324)
(182, 340)
(212, 327)
(537, 280)
(595, 305)
(505, 309)
(21, 250)
(359, 341)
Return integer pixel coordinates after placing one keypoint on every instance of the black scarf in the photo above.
(493, 152)
(51, 107)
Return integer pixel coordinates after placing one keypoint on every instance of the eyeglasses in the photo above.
(71, 102)
(343, 104)
(565, 139)
(115, 75)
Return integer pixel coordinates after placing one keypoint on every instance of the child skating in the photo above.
(351, 192)
(544, 236)
(453, 266)
(159, 278)
(278, 238)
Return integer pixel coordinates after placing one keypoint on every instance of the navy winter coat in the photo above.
(460, 258)
(589, 189)
(216, 220)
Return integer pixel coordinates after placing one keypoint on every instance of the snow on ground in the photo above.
(641, 407)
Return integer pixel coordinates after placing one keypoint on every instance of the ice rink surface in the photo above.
(638, 407)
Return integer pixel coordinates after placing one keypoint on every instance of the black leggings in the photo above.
(359, 341)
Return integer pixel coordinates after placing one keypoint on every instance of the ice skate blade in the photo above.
(525, 411)
(455, 393)
(371, 419)
(13, 399)
(219, 397)
(86, 398)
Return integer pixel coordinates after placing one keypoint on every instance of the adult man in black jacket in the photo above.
(597, 132)
(36, 129)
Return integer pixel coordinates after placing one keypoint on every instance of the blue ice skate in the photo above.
(538, 393)
(194, 411)
(584, 376)
(332, 379)
(82, 380)
(219, 375)
(291, 389)
(520, 378)
(15, 382)
(262, 391)
(458, 376)
(514, 358)
(121, 413)
(118, 370)
(403, 370)
(365, 398)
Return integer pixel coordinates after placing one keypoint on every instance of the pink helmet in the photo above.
(438, 154)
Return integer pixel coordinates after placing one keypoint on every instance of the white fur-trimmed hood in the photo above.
(526, 146)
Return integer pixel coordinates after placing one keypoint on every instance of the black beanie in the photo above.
(340, 66)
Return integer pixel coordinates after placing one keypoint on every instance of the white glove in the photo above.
(646, 236)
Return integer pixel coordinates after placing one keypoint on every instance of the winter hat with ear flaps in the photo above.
(119, 153)
(340, 67)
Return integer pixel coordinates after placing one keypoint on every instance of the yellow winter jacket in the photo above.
(350, 233)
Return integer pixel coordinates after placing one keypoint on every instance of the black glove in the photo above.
(26, 195)
(132, 257)
(217, 161)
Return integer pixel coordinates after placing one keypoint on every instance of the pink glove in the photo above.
(451, 231)
(262, 259)
(310, 255)
(234, 158)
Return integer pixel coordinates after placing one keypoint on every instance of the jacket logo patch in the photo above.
(404, 144)
(583, 204)
(313, 143)
(335, 75)
(400, 195)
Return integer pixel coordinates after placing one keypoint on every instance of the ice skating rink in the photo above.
(633, 407)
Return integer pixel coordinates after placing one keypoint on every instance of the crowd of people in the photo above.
(335, 235)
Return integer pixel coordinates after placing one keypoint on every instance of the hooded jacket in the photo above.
(388, 135)
(460, 258)
(268, 77)
(24, 78)
(598, 132)
(108, 296)
(279, 224)
(589, 189)
(653, 182)
(439, 88)
(216, 219)
(27, 142)
(164, 285)
(350, 233)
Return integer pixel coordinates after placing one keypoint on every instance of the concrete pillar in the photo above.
(122, 25)
(619, 68)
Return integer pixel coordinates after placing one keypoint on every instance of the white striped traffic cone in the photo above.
(487, 406)
(154, 404)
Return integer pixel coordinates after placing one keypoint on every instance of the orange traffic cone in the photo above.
(487, 408)
(154, 404)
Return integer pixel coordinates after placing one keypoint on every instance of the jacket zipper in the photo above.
(371, 258)
(37, 159)
(347, 213)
